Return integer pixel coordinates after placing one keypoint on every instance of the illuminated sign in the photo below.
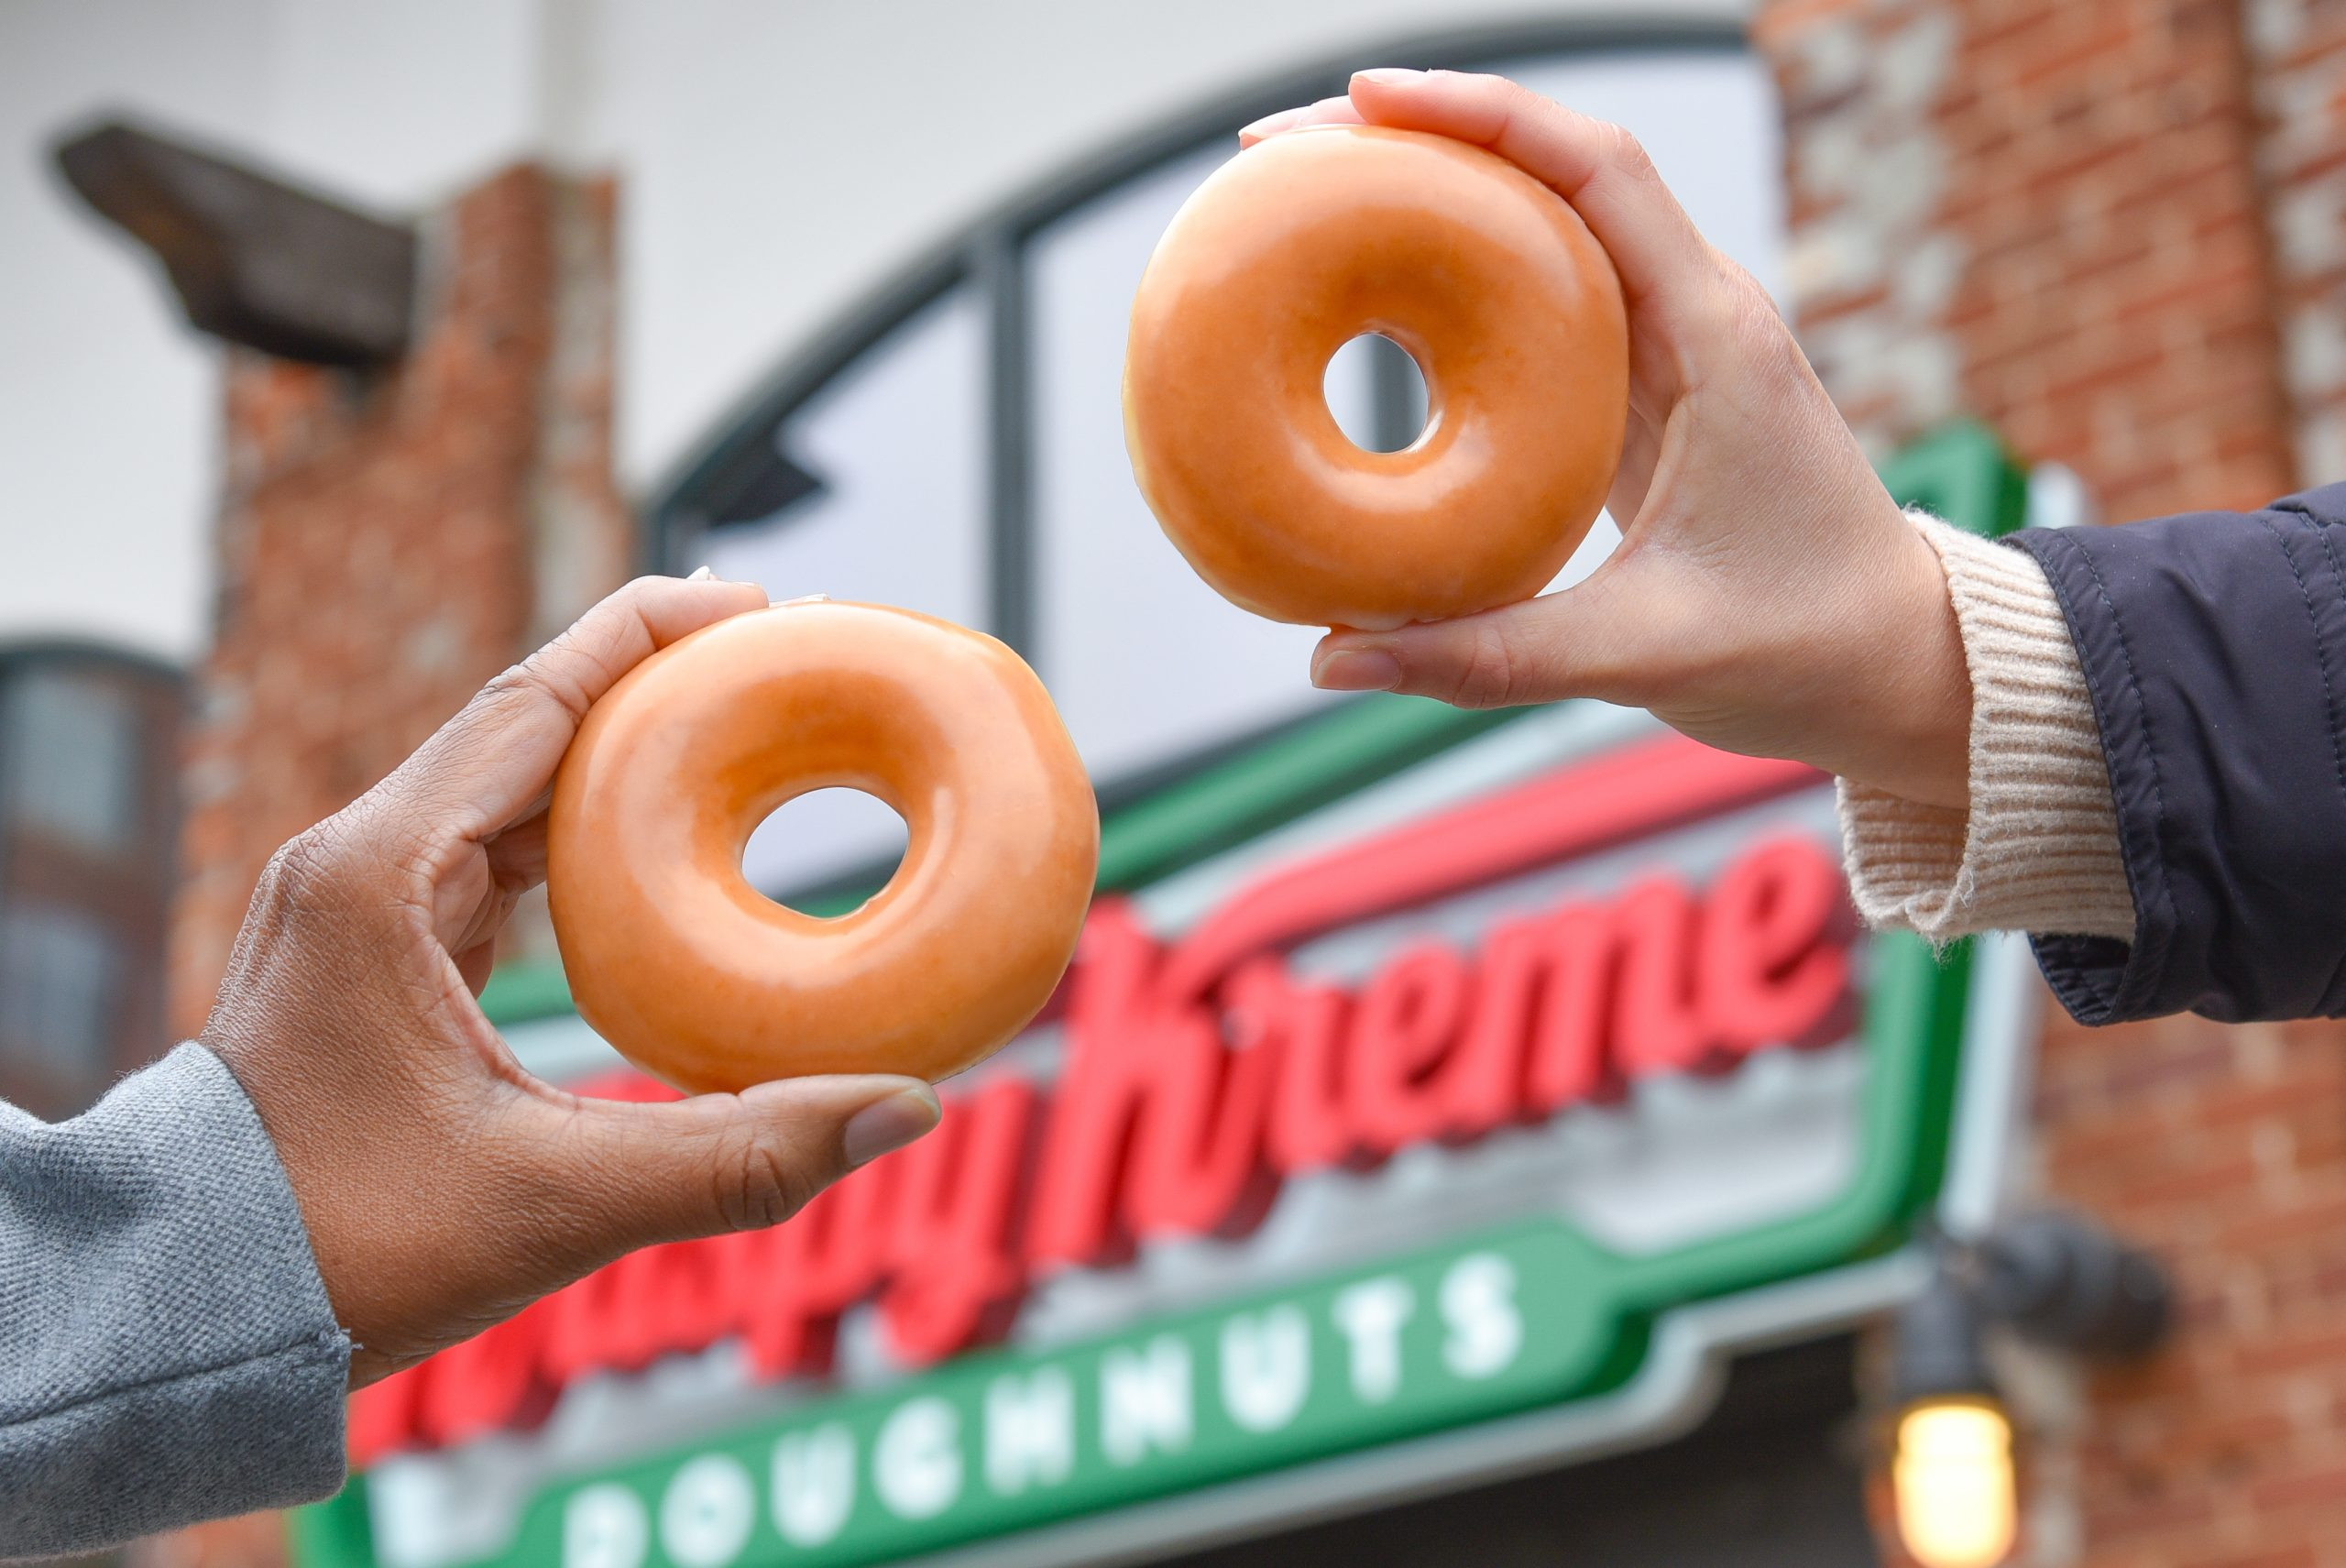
(1421, 1110)
(1202, 1074)
(1423, 1066)
(1493, 1323)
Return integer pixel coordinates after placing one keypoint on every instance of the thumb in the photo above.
(1598, 168)
(1540, 650)
(491, 764)
(649, 1173)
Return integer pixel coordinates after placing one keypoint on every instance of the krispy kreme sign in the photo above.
(1417, 1114)
(1202, 1072)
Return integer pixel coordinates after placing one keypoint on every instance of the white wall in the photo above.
(779, 155)
(104, 413)
(107, 402)
(783, 155)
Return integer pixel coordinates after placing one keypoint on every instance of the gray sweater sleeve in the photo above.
(167, 1351)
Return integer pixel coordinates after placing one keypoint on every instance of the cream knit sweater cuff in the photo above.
(2038, 849)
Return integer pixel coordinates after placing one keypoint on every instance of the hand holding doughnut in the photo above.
(1489, 279)
(693, 974)
(1767, 598)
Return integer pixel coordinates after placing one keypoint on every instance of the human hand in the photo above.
(1767, 597)
(444, 1189)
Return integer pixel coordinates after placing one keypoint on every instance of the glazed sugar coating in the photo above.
(693, 975)
(1491, 281)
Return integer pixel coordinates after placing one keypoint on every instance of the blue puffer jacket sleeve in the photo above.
(2214, 647)
(166, 1350)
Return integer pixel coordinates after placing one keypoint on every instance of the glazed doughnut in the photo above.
(1489, 279)
(693, 975)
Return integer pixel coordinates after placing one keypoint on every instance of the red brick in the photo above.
(354, 524)
(2121, 309)
(2323, 1483)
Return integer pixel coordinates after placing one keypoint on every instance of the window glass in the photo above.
(70, 759)
(1145, 660)
(88, 742)
(894, 447)
(882, 494)
(60, 971)
(1713, 128)
(821, 836)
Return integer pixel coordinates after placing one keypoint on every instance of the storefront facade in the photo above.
(1437, 1099)
(1454, 1122)
(1472, 1119)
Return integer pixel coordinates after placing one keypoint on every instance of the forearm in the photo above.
(170, 1354)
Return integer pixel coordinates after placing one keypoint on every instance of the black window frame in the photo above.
(741, 464)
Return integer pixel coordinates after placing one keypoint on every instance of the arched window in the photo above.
(957, 445)
(88, 742)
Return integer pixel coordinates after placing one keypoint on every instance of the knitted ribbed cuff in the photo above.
(2038, 849)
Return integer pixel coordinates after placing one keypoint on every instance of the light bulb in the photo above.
(1953, 1479)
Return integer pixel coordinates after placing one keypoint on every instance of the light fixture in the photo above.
(1958, 1500)
(2050, 1277)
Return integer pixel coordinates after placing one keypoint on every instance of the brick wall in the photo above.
(2113, 229)
(387, 542)
(2298, 51)
(2047, 214)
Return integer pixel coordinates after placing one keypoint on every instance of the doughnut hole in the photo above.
(869, 833)
(1377, 393)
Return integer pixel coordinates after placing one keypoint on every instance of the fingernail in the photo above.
(1356, 670)
(807, 598)
(701, 575)
(1271, 124)
(1389, 76)
(887, 1125)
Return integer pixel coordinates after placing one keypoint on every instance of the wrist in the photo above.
(1913, 728)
